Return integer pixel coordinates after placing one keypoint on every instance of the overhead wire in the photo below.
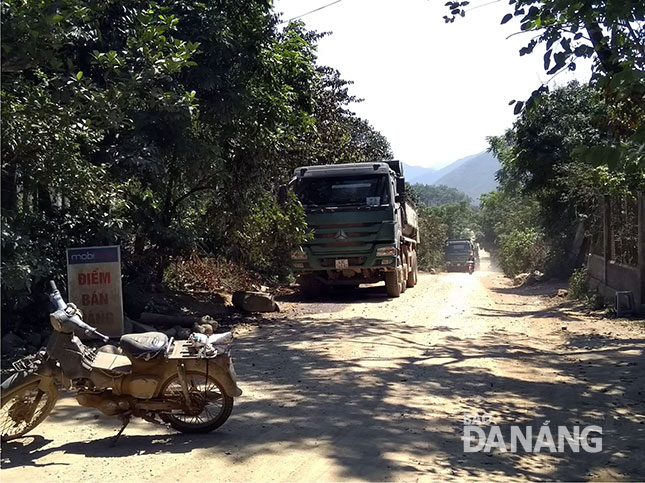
(312, 11)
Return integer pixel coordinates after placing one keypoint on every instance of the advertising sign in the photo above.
(94, 279)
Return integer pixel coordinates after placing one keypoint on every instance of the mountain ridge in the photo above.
(473, 175)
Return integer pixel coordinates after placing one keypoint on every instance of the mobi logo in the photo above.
(92, 255)
(82, 257)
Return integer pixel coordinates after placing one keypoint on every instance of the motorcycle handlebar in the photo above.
(55, 296)
(88, 329)
(60, 304)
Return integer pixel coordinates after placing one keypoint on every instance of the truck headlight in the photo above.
(298, 255)
(386, 252)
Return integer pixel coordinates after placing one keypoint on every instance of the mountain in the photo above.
(412, 173)
(472, 175)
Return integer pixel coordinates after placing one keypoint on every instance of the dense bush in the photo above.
(579, 283)
(522, 251)
(433, 234)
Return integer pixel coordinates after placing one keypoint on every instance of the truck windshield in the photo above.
(343, 191)
(458, 247)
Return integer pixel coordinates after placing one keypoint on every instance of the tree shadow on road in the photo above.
(542, 313)
(378, 412)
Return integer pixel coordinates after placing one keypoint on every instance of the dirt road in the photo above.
(361, 387)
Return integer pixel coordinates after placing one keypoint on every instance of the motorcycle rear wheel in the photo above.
(16, 404)
(217, 405)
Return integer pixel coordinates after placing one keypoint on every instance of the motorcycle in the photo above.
(471, 266)
(184, 384)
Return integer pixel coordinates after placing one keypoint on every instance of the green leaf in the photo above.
(639, 135)
(547, 59)
(79, 75)
(604, 155)
(518, 107)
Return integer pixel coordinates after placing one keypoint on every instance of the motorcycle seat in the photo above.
(145, 346)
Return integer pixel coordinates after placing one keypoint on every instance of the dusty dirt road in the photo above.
(359, 387)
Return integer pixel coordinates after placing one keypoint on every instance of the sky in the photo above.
(434, 90)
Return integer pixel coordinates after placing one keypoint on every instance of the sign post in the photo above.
(94, 281)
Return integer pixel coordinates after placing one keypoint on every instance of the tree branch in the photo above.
(600, 45)
(201, 187)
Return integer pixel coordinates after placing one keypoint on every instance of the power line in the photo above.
(312, 11)
(482, 5)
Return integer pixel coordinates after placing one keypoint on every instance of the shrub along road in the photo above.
(361, 387)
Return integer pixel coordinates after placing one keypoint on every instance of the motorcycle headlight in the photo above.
(298, 255)
(386, 252)
(55, 323)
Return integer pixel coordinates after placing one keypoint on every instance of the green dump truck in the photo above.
(364, 230)
(456, 253)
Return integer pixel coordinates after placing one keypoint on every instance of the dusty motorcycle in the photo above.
(163, 381)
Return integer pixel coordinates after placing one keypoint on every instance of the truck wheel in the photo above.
(403, 278)
(413, 274)
(406, 263)
(393, 283)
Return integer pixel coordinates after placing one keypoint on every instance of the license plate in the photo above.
(342, 263)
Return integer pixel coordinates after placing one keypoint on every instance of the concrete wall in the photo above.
(618, 278)
(608, 276)
(596, 267)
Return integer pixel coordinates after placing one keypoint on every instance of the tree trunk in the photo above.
(44, 201)
(9, 187)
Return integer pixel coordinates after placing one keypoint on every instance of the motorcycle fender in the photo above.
(223, 370)
(22, 379)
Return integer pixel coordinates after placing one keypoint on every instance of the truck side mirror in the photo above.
(282, 194)
(400, 186)
(400, 190)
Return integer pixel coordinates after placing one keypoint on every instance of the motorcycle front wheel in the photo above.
(25, 407)
(213, 405)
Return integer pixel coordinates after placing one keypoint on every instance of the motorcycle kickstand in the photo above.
(125, 420)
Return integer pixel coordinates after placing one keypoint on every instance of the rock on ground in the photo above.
(254, 302)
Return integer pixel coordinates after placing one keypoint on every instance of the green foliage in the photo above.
(579, 289)
(609, 32)
(441, 221)
(434, 233)
(522, 251)
(161, 126)
(502, 212)
(545, 181)
(460, 220)
(270, 233)
(432, 195)
(579, 283)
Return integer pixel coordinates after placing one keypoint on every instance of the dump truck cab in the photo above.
(361, 224)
